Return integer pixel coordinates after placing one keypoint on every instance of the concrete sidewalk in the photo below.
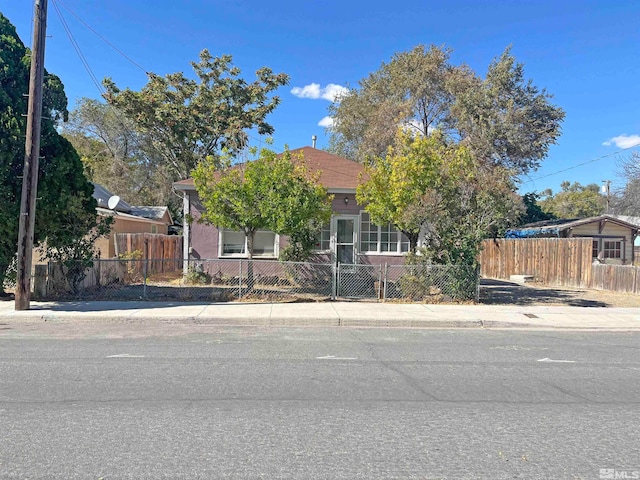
(329, 314)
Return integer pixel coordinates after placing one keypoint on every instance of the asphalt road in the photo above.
(322, 403)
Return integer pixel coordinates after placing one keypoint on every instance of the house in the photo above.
(613, 237)
(349, 238)
(128, 219)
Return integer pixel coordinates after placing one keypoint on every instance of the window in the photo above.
(154, 229)
(381, 239)
(612, 249)
(235, 243)
(264, 244)
(323, 240)
(607, 248)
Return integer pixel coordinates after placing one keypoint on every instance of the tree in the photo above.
(506, 120)
(274, 192)
(533, 211)
(414, 90)
(433, 186)
(116, 156)
(627, 200)
(503, 119)
(188, 121)
(60, 180)
(574, 201)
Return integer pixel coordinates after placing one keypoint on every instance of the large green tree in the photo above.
(188, 121)
(274, 192)
(61, 182)
(503, 118)
(435, 187)
(574, 201)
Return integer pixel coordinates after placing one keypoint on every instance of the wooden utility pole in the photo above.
(31, 160)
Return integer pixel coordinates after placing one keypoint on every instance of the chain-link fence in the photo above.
(221, 280)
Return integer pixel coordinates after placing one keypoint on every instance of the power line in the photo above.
(581, 164)
(102, 38)
(76, 47)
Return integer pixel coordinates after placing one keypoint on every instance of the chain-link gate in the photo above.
(357, 281)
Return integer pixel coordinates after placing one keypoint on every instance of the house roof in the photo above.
(149, 212)
(152, 212)
(629, 219)
(547, 228)
(127, 216)
(336, 173)
(102, 196)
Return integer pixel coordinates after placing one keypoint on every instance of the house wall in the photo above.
(610, 230)
(204, 239)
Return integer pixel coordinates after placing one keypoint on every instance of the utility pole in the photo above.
(31, 160)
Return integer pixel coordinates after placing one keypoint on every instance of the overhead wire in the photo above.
(90, 72)
(102, 37)
(77, 48)
(602, 157)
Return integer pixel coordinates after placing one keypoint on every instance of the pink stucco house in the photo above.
(349, 238)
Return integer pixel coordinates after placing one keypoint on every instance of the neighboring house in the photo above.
(128, 219)
(349, 238)
(613, 237)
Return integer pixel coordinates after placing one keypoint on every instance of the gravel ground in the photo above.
(497, 292)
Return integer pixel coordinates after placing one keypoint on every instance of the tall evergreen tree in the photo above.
(62, 186)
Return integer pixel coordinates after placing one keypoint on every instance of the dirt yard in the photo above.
(498, 292)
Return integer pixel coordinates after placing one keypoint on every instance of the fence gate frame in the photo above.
(349, 282)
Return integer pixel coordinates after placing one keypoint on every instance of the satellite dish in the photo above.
(113, 201)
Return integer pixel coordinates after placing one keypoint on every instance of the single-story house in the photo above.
(349, 238)
(128, 219)
(613, 237)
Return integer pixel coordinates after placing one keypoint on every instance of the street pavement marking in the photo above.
(125, 355)
(333, 357)
(548, 360)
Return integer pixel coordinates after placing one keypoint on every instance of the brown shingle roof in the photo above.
(336, 172)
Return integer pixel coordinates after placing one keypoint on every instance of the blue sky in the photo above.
(583, 52)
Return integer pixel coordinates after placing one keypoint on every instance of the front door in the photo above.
(345, 239)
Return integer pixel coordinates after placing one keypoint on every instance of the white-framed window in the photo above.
(385, 239)
(323, 240)
(234, 244)
(154, 229)
(607, 248)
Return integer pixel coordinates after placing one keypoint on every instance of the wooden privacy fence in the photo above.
(552, 261)
(556, 262)
(163, 252)
(619, 278)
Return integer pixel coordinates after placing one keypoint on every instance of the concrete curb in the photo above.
(293, 321)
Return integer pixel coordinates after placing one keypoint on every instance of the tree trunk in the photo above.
(250, 237)
(413, 241)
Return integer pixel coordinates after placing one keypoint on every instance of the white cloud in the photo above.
(331, 92)
(326, 122)
(308, 91)
(623, 141)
